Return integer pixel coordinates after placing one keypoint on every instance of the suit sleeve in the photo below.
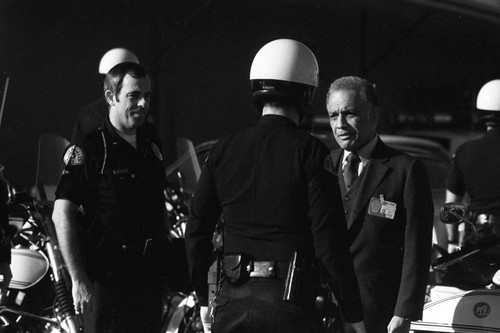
(418, 242)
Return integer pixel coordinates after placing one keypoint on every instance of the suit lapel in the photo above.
(374, 173)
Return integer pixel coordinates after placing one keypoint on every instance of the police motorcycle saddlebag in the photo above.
(471, 311)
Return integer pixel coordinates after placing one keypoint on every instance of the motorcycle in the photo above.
(467, 295)
(38, 298)
(183, 311)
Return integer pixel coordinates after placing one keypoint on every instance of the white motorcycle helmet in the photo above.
(488, 103)
(114, 57)
(286, 70)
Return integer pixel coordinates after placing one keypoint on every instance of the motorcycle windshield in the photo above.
(50, 165)
(186, 169)
(182, 176)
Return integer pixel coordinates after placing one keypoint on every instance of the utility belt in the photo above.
(137, 248)
(488, 219)
(114, 260)
(114, 252)
(485, 228)
(239, 268)
(301, 277)
(296, 273)
(485, 224)
(488, 226)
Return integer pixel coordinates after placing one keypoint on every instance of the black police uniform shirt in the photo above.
(120, 189)
(476, 170)
(272, 186)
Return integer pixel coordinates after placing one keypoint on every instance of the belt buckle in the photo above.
(264, 269)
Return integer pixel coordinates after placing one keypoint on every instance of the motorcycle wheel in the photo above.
(183, 316)
(26, 326)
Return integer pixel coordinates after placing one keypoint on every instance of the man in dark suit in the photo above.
(388, 207)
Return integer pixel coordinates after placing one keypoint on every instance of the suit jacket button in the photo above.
(346, 211)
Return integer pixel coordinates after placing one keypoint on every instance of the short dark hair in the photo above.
(114, 78)
(364, 87)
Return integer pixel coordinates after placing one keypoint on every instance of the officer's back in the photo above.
(261, 176)
(280, 206)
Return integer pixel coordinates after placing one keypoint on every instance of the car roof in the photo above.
(418, 147)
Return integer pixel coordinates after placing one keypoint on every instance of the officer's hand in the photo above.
(83, 292)
(399, 325)
(6, 274)
(206, 320)
(358, 327)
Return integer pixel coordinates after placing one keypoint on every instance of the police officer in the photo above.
(476, 166)
(115, 175)
(280, 206)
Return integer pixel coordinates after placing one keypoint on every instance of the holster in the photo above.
(237, 268)
(302, 284)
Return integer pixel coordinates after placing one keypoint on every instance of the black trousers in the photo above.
(257, 306)
(129, 299)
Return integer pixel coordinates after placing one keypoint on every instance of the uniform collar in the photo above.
(276, 119)
(114, 135)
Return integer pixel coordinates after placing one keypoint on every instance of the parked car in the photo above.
(438, 164)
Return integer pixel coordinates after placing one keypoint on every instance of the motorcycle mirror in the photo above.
(453, 212)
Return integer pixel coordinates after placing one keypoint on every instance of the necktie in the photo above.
(351, 170)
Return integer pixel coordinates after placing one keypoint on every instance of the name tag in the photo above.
(382, 208)
(120, 171)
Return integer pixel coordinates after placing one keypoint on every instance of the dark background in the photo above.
(425, 61)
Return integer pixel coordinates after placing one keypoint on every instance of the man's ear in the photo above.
(110, 97)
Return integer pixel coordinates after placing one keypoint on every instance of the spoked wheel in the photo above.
(26, 325)
(184, 315)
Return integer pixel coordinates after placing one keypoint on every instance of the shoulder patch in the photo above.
(328, 164)
(157, 152)
(74, 156)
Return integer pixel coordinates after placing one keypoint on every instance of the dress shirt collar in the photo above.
(364, 153)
